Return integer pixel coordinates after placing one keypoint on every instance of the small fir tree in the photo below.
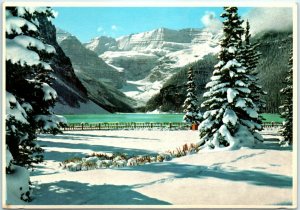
(192, 113)
(29, 95)
(230, 119)
(287, 107)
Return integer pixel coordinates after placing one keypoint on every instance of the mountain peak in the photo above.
(102, 44)
(61, 35)
(100, 38)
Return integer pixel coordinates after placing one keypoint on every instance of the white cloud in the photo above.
(99, 29)
(210, 21)
(266, 19)
(114, 27)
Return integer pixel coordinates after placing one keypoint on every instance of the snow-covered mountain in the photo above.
(148, 59)
(100, 79)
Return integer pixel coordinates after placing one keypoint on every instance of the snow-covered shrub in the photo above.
(231, 119)
(88, 165)
(119, 163)
(107, 163)
(119, 156)
(101, 156)
(167, 157)
(184, 150)
(73, 159)
(143, 159)
(160, 158)
(132, 162)
(101, 160)
(73, 166)
(90, 159)
(104, 163)
(152, 159)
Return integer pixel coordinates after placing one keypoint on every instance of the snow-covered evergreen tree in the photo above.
(230, 119)
(192, 113)
(29, 95)
(287, 106)
(249, 59)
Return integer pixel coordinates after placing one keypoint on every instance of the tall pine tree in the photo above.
(29, 95)
(230, 119)
(249, 59)
(287, 107)
(192, 113)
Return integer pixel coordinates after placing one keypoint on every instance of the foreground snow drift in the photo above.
(261, 176)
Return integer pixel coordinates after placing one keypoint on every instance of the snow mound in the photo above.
(17, 186)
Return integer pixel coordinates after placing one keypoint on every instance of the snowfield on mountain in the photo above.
(153, 56)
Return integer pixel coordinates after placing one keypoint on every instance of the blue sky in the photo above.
(89, 22)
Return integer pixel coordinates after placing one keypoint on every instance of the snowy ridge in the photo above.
(102, 44)
(164, 38)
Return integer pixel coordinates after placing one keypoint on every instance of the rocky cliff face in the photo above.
(100, 79)
(70, 90)
(86, 62)
(74, 95)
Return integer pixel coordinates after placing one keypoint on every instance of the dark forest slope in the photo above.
(272, 67)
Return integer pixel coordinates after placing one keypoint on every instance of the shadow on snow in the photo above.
(75, 193)
(79, 135)
(194, 171)
(96, 148)
(271, 144)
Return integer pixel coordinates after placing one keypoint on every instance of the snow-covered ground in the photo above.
(260, 176)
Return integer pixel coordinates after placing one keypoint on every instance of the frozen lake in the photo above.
(142, 117)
